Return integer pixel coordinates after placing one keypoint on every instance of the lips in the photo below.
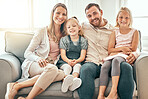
(72, 31)
(95, 20)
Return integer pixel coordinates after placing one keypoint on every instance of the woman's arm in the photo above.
(35, 42)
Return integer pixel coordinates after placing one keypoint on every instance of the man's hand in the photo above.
(131, 57)
(42, 62)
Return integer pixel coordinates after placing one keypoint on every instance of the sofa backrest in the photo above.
(16, 43)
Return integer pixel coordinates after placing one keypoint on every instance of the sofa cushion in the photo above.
(17, 42)
(76, 96)
(53, 90)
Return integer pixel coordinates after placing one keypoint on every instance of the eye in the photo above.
(89, 16)
(127, 18)
(94, 13)
(121, 17)
(74, 25)
(57, 12)
(64, 14)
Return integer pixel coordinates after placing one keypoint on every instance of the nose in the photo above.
(60, 16)
(92, 17)
(124, 19)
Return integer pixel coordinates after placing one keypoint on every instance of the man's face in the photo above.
(94, 16)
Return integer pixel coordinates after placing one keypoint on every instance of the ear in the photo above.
(79, 27)
(101, 11)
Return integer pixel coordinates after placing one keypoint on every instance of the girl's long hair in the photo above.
(51, 28)
(130, 15)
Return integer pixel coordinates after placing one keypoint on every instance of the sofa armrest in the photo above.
(142, 75)
(10, 62)
(9, 71)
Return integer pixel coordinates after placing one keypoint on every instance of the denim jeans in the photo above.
(89, 71)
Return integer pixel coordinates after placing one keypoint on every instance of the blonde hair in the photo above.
(77, 22)
(130, 15)
(51, 28)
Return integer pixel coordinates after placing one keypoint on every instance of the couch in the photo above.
(10, 70)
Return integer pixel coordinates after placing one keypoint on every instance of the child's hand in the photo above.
(70, 62)
(74, 62)
(126, 49)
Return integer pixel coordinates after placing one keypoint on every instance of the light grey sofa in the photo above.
(141, 67)
(10, 70)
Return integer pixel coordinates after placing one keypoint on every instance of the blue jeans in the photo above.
(89, 71)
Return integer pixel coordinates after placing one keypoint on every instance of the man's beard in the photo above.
(96, 24)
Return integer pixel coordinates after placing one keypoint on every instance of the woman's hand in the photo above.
(42, 62)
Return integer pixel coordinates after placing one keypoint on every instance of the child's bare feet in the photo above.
(21, 98)
(112, 96)
(101, 97)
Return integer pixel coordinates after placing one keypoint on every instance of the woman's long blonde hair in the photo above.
(130, 15)
(51, 28)
(76, 20)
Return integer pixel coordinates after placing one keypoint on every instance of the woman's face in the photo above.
(59, 15)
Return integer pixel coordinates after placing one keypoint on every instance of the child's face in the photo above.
(72, 28)
(123, 19)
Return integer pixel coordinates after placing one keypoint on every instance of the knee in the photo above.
(115, 60)
(105, 69)
(85, 69)
(125, 67)
(77, 66)
(68, 67)
(51, 68)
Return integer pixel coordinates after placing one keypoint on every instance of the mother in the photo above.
(40, 56)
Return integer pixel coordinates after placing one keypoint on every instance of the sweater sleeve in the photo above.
(35, 42)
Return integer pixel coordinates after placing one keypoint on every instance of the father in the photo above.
(97, 32)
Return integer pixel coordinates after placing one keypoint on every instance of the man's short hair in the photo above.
(92, 4)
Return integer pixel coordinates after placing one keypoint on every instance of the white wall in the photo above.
(110, 9)
(77, 8)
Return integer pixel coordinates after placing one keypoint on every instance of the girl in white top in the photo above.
(122, 41)
(40, 56)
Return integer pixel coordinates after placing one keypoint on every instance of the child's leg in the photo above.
(76, 81)
(76, 70)
(68, 80)
(115, 76)
(104, 78)
(66, 68)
